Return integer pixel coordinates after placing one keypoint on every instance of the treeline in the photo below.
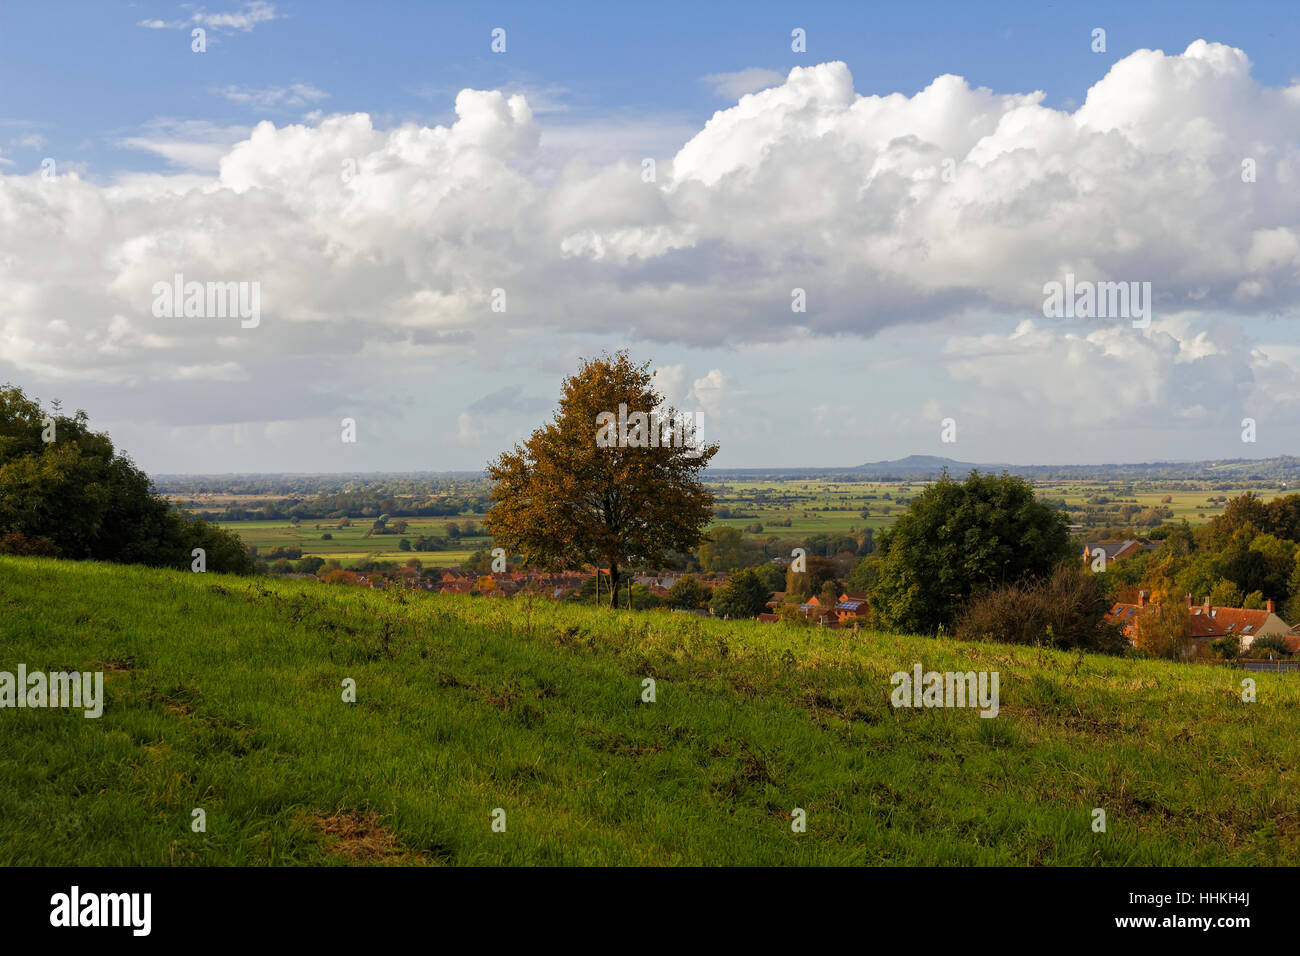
(356, 504)
(1244, 557)
(66, 492)
(399, 484)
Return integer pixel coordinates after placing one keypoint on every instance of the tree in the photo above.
(687, 593)
(958, 539)
(1225, 594)
(772, 576)
(865, 575)
(743, 596)
(806, 583)
(726, 549)
(1164, 630)
(567, 497)
(75, 496)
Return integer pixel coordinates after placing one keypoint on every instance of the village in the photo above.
(849, 610)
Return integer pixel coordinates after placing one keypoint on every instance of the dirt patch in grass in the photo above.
(361, 837)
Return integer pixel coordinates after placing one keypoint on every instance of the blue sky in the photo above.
(920, 301)
(89, 75)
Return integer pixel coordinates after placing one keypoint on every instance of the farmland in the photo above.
(223, 693)
(352, 543)
(810, 507)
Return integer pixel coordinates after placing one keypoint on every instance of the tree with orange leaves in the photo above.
(568, 496)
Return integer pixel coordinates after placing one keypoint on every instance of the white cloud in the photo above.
(294, 95)
(708, 392)
(749, 80)
(246, 18)
(374, 245)
(188, 144)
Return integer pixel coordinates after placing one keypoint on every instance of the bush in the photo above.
(1268, 645)
(743, 596)
(15, 542)
(687, 594)
(1227, 648)
(1065, 610)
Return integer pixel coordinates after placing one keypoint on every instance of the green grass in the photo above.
(224, 693)
(350, 543)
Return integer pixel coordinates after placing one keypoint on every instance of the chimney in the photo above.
(1270, 606)
(1189, 598)
(1142, 599)
(1207, 605)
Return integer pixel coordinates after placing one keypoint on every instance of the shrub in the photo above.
(1065, 610)
(1227, 648)
(15, 542)
(1268, 645)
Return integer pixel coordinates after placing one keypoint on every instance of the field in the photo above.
(812, 508)
(225, 694)
(350, 543)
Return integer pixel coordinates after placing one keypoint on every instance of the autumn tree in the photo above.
(1164, 630)
(569, 496)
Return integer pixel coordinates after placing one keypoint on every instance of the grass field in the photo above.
(812, 508)
(225, 694)
(350, 543)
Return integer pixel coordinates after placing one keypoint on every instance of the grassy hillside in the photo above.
(224, 693)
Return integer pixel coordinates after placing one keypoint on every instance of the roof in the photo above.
(1118, 549)
(1206, 623)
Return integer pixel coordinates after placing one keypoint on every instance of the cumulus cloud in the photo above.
(888, 211)
(1108, 376)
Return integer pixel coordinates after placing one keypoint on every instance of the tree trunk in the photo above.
(613, 586)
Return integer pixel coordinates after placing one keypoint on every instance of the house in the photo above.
(1115, 550)
(1209, 622)
(1292, 638)
(852, 607)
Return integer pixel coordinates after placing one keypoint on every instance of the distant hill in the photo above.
(1284, 468)
(921, 466)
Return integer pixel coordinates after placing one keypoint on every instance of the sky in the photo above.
(836, 254)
